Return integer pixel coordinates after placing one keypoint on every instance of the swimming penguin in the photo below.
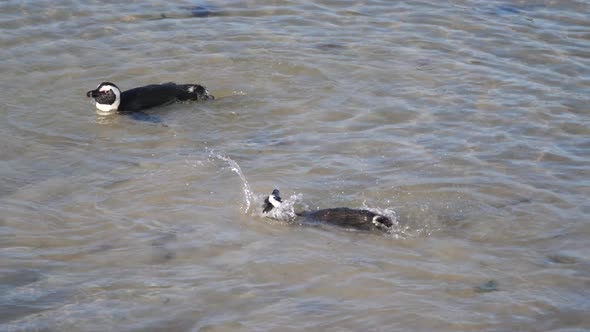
(109, 98)
(272, 201)
(360, 219)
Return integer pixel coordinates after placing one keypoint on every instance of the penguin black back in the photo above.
(154, 95)
(360, 219)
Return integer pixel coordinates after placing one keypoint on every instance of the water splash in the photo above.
(248, 194)
(286, 211)
(398, 230)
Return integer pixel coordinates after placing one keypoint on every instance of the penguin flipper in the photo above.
(141, 116)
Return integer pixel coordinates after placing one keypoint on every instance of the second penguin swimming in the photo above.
(359, 219)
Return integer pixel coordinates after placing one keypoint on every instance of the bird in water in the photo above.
(272, 201)
(109, 98)
(360, 219)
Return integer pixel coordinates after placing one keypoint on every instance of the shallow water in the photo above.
(467, 121)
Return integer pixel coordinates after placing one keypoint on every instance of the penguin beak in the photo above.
(92, 93)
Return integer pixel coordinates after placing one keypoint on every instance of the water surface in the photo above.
(467, 121)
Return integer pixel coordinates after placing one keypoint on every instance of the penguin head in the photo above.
(272, 201)
(107, 96)
(382, 222)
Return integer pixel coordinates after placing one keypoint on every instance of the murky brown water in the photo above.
(467, 120)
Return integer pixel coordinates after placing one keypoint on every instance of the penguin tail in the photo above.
(194, 92)
(382, 222)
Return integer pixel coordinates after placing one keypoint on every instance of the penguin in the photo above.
(359, 219)
(109, 98)
(272, 201)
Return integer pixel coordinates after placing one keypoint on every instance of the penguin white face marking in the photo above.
(109, 108)
(274, 201)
